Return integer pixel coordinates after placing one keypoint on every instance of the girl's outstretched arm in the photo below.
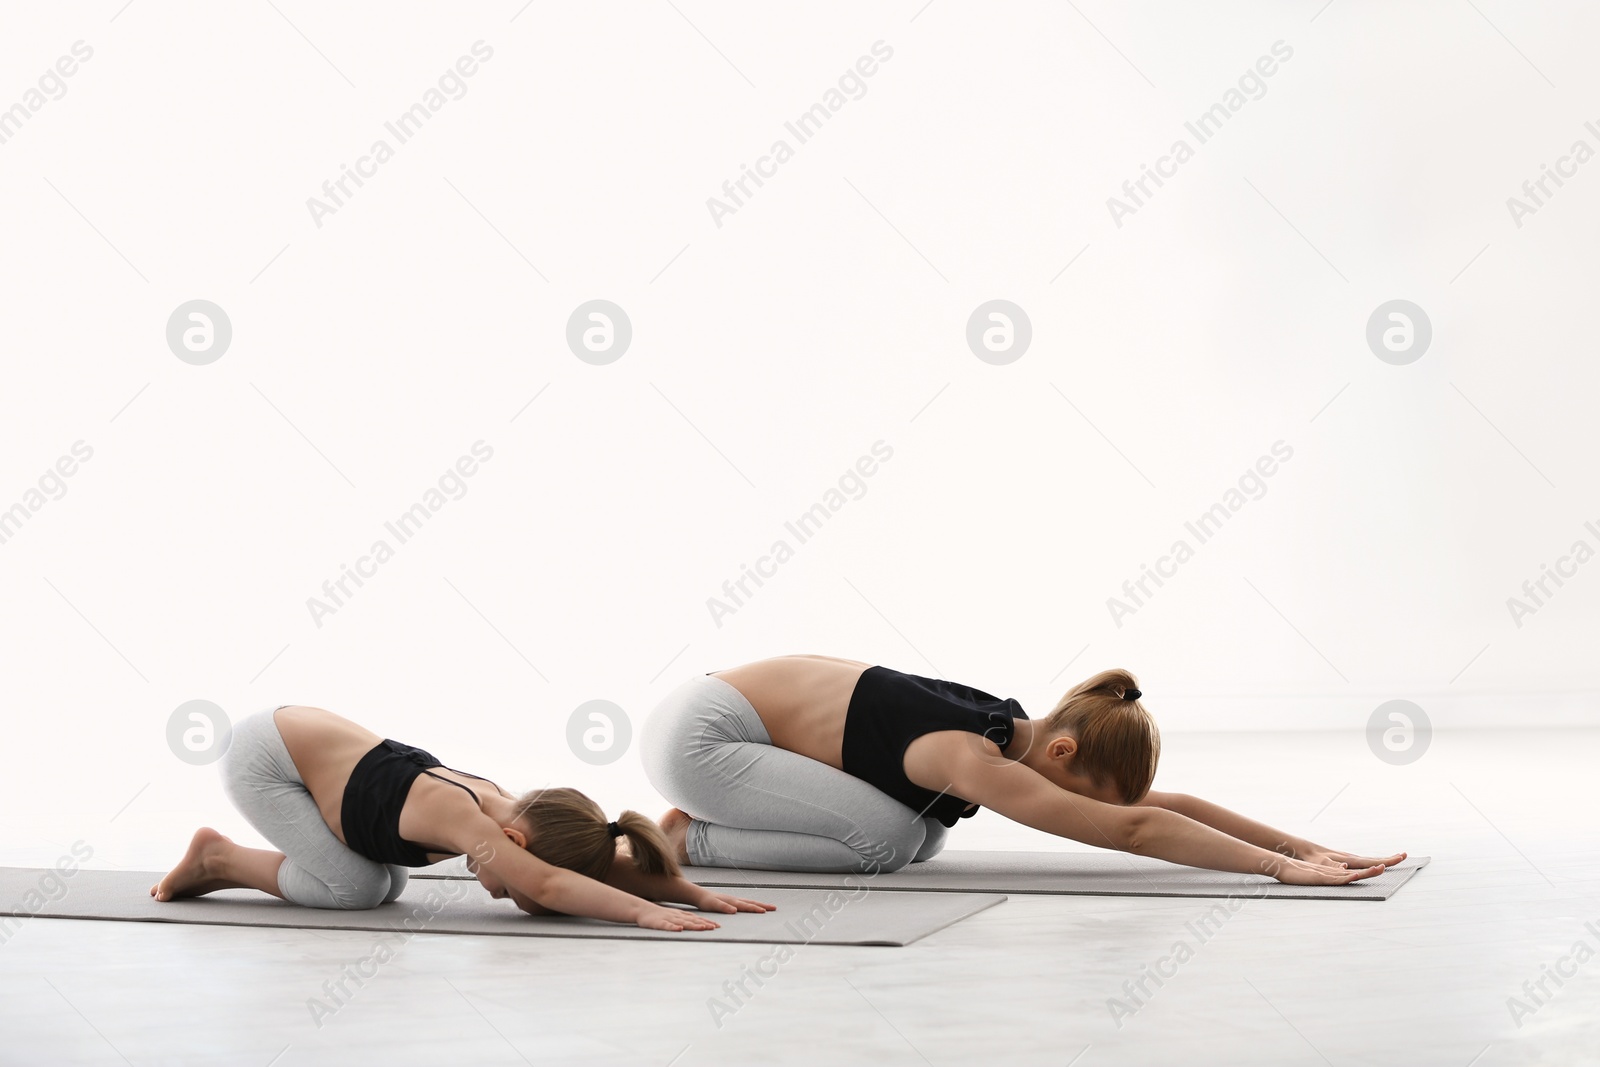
(1021, 794)
(557, 889)
(630, 879)
(1245, 829)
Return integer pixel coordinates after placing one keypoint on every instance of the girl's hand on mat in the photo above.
(1329, 857)
(655, 917)
(706, 900)
(1301, 872)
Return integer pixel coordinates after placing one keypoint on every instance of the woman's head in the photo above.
(567, 829)
(1117, 744)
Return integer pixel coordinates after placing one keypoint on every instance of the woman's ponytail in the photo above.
(1115, 682)
(1117, 737)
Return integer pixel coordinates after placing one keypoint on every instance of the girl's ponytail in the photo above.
(567, 829)
(646, 844)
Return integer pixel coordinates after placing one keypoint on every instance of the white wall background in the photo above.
(770, 353)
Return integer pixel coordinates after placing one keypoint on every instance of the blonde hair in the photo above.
(571, 831)
(1117, 738)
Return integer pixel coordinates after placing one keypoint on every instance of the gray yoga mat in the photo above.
(804, 916)
(1072, 873)
(1114, 874)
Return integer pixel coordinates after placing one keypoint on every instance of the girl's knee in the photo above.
(372, 884)
(368, 892)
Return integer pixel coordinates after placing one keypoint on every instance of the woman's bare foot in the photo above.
(199, 870)
(675, 824)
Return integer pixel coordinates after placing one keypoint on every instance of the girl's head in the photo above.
(1115, 743)
(567, 829)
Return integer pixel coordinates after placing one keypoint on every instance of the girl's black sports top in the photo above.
(377, 790)
(889, 710)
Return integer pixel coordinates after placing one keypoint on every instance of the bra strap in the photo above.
(458, 785)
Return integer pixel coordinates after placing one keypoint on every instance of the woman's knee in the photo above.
(398, 877)
(886, 849)
(933, 843)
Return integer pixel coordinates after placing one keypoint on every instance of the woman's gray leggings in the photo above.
(755, 805)
(318, 870)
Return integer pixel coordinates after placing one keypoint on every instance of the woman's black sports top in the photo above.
(889, 710)
(377, 790)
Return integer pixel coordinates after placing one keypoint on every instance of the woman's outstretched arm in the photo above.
(1021, 794)
(1260, 834)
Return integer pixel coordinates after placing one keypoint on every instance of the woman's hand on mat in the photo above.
(655, 917)
(1328, 857)
(1301, 872)
(706, 900)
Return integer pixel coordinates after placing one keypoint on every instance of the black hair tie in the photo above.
(1132, 694)
(613, 829)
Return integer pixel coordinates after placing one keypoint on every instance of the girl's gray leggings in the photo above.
(318, 870)
(756, 805)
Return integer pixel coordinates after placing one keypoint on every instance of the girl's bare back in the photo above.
(326, 747)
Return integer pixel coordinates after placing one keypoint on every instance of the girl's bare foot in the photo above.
(675, 824)
(199, 870)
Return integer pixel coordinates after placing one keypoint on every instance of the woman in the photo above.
(351, 811)
(814, 763)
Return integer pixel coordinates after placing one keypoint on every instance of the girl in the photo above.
(351, 811)
(813, 763)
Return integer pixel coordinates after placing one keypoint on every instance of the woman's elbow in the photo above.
(1133, 834)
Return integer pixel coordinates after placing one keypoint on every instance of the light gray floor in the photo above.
(1422, 979)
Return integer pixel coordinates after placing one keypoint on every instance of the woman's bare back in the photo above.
(802, 700)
